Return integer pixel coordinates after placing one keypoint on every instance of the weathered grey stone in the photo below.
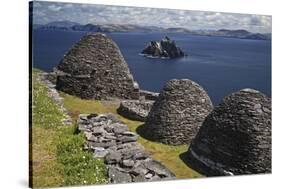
(139, 170)
(128, 145)
(158, 168)
(94, 68)
(126, 139)
(117, 176)
(155, 178)
(106, 144)
(235, 137)
(111, 140)
(113, 157)
(135, 109)
(129, 134)
(92, 138)
(139, 178)
(149, 175)
(119, 128)
(98, 131)
(130, 152)
(127, 163)
(100, 152)
(140, 155)
(178, 112)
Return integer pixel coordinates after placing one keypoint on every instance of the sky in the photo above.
(45, 12)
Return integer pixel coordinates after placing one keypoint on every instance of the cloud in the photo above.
(102, 14)
(54, 7)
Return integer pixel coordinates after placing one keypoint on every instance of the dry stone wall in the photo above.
(127, 161)
(94, 68)
(178, 112)
(235, 138)
(45, 78)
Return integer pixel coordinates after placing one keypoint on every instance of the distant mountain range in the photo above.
(73, 26)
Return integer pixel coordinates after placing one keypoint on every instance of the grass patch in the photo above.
(78, 166)
(168, 155)
(57, 158)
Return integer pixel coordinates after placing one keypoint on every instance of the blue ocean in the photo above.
(221, 65)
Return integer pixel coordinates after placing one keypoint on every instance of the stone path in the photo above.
(126, 160)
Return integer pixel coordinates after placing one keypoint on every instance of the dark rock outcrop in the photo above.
(166, 48)
(126, 160)
(135, 109)
(235, 138)
(178, 112)
(94, 68)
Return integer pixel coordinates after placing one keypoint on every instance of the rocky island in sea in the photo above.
(166, 48)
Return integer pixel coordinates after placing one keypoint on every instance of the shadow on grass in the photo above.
(193, 163)
(144, 131)
(186, 159)
(189, 161)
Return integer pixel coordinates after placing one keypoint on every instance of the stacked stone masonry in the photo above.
(126, 160)
(45, 78)
(178, 112)
(235, 138)
(94, 68)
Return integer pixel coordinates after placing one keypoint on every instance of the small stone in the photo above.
(158, 168)
(140, 156)
(140, 169)
(111, 137)
(119, 128)
(98, 130)
(157, 178)
(92, 138)
(100, 152)
(83, 117)
(102, 144)
(139, 178)
(257, 106)
(148, 175)
(127, 163)
(116, 176)
(126, 139)
(128, 133)
(112, 157)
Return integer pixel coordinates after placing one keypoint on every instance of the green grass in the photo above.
(56, 155)
(168, 155)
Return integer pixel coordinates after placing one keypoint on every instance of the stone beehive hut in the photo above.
(235, 138)
(178, 112)
(94, 68)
